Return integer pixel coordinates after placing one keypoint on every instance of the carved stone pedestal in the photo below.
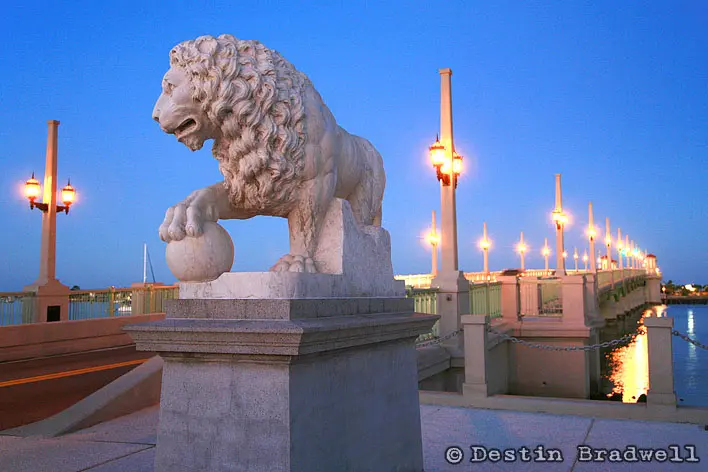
(288, 384)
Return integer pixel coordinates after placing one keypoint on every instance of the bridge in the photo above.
(498, 312)
(539, 291)
(501, 335)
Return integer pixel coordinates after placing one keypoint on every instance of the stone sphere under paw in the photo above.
(203, 258)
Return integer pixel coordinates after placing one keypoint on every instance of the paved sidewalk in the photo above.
(127, 444)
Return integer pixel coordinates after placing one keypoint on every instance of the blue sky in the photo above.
(612, 95)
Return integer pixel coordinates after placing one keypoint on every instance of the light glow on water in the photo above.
(692, 354)
(628, 366)
(690, 323)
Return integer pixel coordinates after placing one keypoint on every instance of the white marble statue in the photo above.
(278, 145)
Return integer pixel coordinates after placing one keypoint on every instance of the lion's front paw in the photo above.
(188, 217)
(290, 263)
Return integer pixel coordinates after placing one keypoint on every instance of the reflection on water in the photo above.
(628, 366)
(625, 369)
(691, 362)
(691, 333)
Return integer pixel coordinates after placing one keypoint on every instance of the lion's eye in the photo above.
(167, 87)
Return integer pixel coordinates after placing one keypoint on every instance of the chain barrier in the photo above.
(437, 340)
(626, 339)
(688, 340)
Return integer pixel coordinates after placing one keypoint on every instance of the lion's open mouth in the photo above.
(186, 126)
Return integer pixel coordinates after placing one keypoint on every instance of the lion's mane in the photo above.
(255, 97)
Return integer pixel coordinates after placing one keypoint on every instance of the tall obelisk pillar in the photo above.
(51, 297)
(453, 289)
(592, 234)
(435, 243)
(560, 223)
(48, 252)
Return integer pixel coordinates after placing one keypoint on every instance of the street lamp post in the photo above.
(560, 219)
(575, 258)
(626, 251)
(619, 248)
(608, 243)
(521, 247)
(585, 259)
(453, 287)
(546, 251)
(591, 236)
(52, 302)
(448, 166)
(485, 244)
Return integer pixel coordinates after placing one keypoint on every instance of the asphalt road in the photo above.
(35, 389)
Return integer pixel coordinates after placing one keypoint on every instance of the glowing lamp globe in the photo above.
(457, 164)
(201, 259)
(68, 194)
(32, 188)
(437, 153)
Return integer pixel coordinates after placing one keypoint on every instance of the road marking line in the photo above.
(54, 356)
(69, 373)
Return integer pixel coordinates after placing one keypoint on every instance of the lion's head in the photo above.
(248, 99)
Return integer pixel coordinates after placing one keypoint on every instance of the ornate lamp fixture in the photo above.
(33, 189)
(447, 172)
(559, 218)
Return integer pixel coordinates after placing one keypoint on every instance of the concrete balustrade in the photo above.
(519, 370)
(499, 373)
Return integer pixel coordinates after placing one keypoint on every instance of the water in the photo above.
(690, 362)
(626, 368)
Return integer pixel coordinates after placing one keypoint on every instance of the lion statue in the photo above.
(279, 147)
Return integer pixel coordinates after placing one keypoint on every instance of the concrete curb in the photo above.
(138, 389)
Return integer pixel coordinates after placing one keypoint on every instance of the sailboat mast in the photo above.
(145, 248)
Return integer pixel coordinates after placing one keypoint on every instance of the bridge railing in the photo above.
(540, 297)
(481, 276)
(425, 280)
(485, 299)
(425, 301)
(16, 308)
(416, 280)
(89, 304)
(604, 278)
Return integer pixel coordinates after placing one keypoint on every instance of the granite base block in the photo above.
(249, 391)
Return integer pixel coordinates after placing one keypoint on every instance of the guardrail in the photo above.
(89, 304)
(485, 299)
(16, 308)
(425, 280)
(540, 297)
(425, 301)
